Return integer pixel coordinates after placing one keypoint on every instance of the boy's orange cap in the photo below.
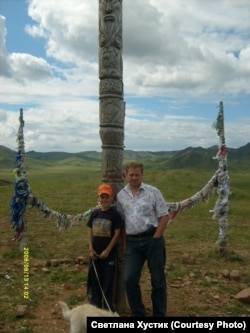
(105, 189)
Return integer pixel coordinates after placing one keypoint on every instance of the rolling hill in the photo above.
(189, 158)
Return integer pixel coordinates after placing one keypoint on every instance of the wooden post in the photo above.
(111, 105)
(221, 206)
(22, 190)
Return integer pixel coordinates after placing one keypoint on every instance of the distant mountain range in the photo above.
(189, 158)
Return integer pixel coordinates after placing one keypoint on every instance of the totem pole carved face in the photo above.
(110, 37)
(110, 21)
(110, 8)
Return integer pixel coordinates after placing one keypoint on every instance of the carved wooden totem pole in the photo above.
(111, 104)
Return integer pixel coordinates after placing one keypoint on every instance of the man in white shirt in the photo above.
(146, 215)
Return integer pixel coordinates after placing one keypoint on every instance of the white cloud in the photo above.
(177, 55)
(28, 67)
(4, 64)
(70, 30)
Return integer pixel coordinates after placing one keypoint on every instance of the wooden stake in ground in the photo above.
(21, 190)
(221, 206)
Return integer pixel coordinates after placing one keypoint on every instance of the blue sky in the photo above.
(180, 59)
(15, 12)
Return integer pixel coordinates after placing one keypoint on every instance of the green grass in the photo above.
(59, 275)
(196, 289)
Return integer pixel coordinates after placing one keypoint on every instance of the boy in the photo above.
(105, 225)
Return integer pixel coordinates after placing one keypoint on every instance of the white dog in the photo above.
(78, 315)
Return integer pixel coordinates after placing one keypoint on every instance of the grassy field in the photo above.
(195, 287)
